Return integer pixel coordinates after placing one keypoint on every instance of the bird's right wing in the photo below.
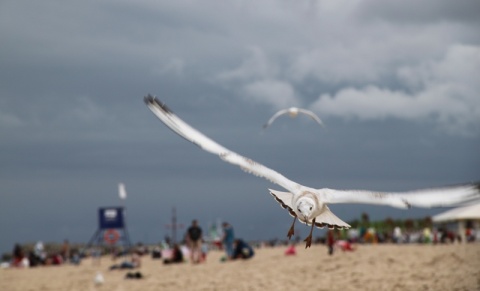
(191, 134)
(312, 115)
(272, 119)
(285, 200)
(427, 198)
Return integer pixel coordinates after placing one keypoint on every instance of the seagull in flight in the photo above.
(293, 112)
(310, 205)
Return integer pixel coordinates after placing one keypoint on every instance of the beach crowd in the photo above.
(195, 246)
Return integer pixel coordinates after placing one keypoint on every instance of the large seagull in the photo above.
(309, 205)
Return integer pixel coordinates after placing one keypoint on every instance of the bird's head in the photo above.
(305, 208)
(293, 111)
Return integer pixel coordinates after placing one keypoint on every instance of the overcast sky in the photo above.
(396, 83)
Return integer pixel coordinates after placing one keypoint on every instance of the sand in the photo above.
(370, 267)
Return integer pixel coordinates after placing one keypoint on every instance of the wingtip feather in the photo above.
(149, 99)
(152, 100)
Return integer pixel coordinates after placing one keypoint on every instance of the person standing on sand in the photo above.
(65, 252)
(330, 241)
(228, 239)
(194, 239)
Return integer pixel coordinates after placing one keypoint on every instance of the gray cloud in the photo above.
(406, 12)
(438, 92)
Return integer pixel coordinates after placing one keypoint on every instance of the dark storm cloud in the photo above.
(398, 96)
(406, 12)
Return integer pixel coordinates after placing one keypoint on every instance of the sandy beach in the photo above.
(370, 267)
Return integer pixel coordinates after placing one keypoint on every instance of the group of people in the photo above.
(234, 248)
(38, 256)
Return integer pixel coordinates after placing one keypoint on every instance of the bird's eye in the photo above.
(310, 207)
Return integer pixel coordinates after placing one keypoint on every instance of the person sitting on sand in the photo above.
(56, 259)
(242, 250)
(177, 256)
(156, 253)
(18, 257)
(75, 258)
(345, 245)
(39, 252)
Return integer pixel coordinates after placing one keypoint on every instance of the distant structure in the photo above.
(174, 226)
(111, 228)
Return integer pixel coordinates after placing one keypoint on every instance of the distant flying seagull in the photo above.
(307, 204)
(293, 112)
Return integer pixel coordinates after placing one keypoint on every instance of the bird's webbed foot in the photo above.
(308, 239)
(291, 231)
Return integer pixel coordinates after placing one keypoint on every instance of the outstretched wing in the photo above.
(312, 115)
(272, 119)
(433, 197)
(285, 200)
(191, 134)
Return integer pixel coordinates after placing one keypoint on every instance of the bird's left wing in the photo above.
(433, 197)
(191, 134)
(312, 115)
(272, 119)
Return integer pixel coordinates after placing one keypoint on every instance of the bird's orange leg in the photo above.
(291, 230)
(308, 239)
